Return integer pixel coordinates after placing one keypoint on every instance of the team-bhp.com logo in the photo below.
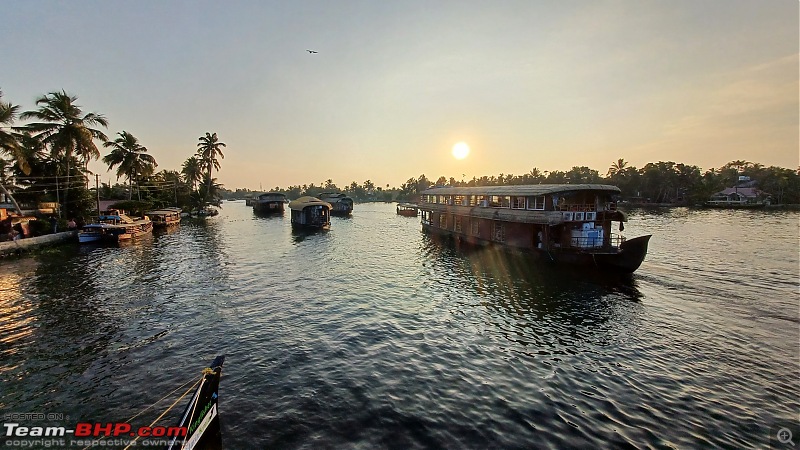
(86, 429)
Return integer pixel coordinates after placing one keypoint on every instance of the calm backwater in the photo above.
(371, 335)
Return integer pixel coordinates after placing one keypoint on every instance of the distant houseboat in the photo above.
(341, 205)
(408, 210)
(269, 203)
(560, 223)
(310, 212)
(115, 226)
(165, 218)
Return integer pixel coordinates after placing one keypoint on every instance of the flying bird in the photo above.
(312, 51)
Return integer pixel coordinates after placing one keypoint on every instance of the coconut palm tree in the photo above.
(131, 159)
(208, 149)
(62, 126)
(617, 167)
(192, 171)
(8, 139)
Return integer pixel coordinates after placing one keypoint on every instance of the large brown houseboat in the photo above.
(341, 205)
(269, 203)
(565, 223)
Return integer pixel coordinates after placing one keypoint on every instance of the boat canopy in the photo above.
(306, 201)
(334, 197)
(270, 195)
(520, 190)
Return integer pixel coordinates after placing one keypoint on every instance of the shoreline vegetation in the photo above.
(664, 183)
(46, 161)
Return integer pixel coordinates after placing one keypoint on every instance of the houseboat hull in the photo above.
(274, 207)
(626, 259)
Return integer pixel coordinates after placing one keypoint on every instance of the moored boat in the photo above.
(559, 223)
(269, 203)
(310, 212)
(341, 204)
(115, 226)
(165, 218)
(407, 209)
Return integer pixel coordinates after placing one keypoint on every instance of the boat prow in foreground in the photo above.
(201, 416)
(567, 223)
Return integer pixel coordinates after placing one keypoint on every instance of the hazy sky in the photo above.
(548, 84)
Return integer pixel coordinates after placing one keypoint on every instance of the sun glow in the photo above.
(460, 150)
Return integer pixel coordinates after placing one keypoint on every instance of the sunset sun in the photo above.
(460, 150)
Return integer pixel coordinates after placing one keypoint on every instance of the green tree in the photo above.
(131, 159)
(192, 171)
(209, 150)
(10, 145)
(61, 125)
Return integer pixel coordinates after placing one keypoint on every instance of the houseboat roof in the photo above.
(520, 190)
(163, 211)
(306, 201)
(271, 194)
(334, 197)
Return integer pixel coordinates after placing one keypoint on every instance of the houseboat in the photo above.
(269, 203)
(310, 212)
(407, 209)
(341, 204)
(565, 223)
(165, 218)
(115, 226)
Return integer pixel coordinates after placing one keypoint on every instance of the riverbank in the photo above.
(20, 246)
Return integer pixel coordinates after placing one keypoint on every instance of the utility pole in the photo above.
(58, 197)
(97, 188)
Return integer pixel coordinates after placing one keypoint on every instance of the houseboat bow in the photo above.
(341, 205)
(311, 213)
(565, 223)
(269, 203)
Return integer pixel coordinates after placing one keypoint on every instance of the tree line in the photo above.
(46, 160)
(657, 183)
(663, 182)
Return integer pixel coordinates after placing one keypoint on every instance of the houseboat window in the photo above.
(536, 203)
(443, 221)
(457, 225)
(498, 232)
(481, 200)
(505, 201)
(475, 226)
(426, 217)
(459, 200)
(518, 202)
(449, 199)
(471, 200)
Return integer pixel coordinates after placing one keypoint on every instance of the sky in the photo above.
(395, 84)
